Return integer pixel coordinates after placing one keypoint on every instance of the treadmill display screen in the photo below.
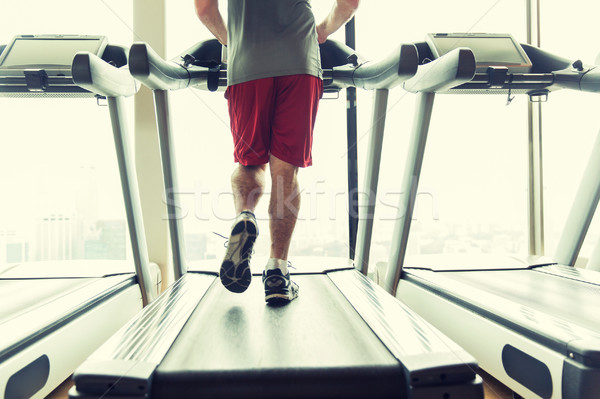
(28, 52)
(489, 49)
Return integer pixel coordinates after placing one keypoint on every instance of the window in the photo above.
(62, 195)
(570, 121)
(205, 162)
(473, 187)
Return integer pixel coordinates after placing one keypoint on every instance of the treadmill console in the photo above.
(51, 53)
(490, 49)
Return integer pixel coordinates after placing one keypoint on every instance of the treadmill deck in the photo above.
(236, 344)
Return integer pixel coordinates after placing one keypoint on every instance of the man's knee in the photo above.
(262, 166)
(281, 168)
(249, 169)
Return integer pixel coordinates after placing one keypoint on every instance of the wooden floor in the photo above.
(62, 392)
(492, 388)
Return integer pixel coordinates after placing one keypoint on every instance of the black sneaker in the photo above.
(235, 270)
(279, 289)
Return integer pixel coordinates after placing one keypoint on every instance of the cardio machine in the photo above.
(343, 337)
(530, 323)
(55, 313)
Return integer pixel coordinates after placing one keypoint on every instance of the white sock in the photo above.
(274, 263)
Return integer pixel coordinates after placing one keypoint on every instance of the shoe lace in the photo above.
(289, 263)
(222, 236)
(226, 243)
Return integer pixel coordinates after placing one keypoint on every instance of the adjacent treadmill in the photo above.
(344, 337)
(55, 313)
(533, 324)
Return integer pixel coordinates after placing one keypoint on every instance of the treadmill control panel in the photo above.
(490, 49)
(51, 53)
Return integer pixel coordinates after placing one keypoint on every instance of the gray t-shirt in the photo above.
(269, 38)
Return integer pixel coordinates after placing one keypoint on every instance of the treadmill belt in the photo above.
(318, 344)
(570, 300)
(20, 296)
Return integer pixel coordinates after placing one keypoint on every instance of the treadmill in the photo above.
(531, 323)
(55, 313)
(344, 337)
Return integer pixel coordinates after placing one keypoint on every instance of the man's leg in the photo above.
(291, 145)
(247, 184)
(283, 206)
(283, 212)
(250, 120)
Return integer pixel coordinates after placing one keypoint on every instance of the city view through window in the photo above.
(62, 197)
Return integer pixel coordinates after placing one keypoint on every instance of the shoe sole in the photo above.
(235, 270)
(281, 298)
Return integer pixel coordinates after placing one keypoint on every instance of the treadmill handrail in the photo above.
(587, 79)
(157, 74)
(96, 75)
(100, 77)
(397, 67)
(442, 74)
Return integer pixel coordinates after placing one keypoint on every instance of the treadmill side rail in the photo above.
(99, 376)
(127, 360)
(585, 351)
(580, 381)
(427, 356)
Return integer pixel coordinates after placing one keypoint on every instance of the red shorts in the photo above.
(274, 116)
